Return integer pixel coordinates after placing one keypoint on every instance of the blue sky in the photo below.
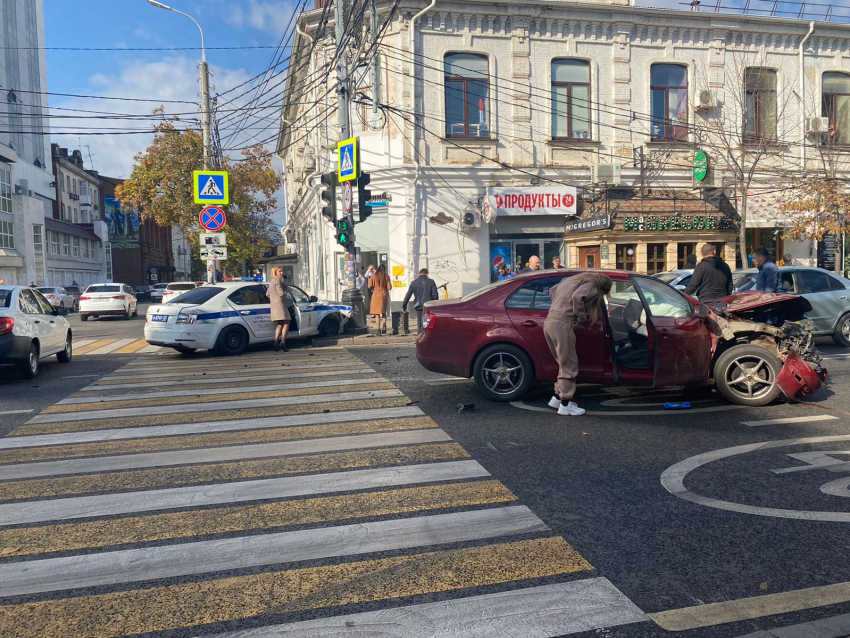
(155, 75)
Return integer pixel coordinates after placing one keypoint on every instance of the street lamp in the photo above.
(205, 83)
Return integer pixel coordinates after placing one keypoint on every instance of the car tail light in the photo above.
(49, 297)
(121, 297)
(428, 321)
(6, 325)
(84, 298)
(186, 317)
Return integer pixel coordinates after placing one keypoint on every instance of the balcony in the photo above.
(85, 200)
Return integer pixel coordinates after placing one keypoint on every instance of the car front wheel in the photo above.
(232, 341)
(329, 327)
(841, 336)
(84, 317)
(746, 375)
(503, 372)
(65, 355)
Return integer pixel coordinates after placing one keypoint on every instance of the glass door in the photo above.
(525, 250)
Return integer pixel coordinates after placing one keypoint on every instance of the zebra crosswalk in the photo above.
(114, 346)
(297, 494)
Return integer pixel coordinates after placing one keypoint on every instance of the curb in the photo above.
(364, 340)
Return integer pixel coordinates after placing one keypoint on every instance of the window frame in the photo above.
(831, 112)
(668, 125)
(464, 81)
(569, 114)
(5, 190)
(7, 234)
(66, 245)
(626, 259)
(658, 264)
(757, 106)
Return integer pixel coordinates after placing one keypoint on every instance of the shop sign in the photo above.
(664, 223)
(700, 166)
(604, 255)
(588, 224)
(558, 200)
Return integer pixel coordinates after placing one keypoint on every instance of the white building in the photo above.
(182, 249)
(535, 97)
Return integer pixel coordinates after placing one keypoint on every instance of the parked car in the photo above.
(176, 289)
(828, 293)
(59, 298)
(229, 316)
(653, 336)
(156, 292)
(679, 279)
(76, 292)
(31, 330)
(108, 300)
(143, 292)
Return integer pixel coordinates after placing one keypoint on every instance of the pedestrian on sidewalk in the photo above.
(380, 285)
(533, 265)
(769, 278)
(712, 278)
(278, 292)
(573, 301)
(504, 273)
(422, 289)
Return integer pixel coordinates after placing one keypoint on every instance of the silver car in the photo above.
(828, 293)
(678, 279)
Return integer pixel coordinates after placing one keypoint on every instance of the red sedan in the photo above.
(752, 346)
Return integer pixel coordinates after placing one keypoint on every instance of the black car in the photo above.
(143, 292)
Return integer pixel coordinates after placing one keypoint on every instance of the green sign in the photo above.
(342, 224)
(604, 254)
(700, 166)
(655, 223)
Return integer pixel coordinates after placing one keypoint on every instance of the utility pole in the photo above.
(376, 62)
(341, 70)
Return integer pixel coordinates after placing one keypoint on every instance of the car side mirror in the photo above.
(703, 311)
(313, 298)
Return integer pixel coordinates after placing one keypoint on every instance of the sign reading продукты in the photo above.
(540, 200)
(588, 225)
(347, 163)
(212, 218)
(211, 187)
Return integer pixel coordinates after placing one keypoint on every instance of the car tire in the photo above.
(503, 372)
(136, 311)
(185, 350)
(68, 352)
(127, 314)
(76, 306)
(28, 368)
(329, 327)
(841, 336)
(84, 317)
(738, 361)
(232, 341)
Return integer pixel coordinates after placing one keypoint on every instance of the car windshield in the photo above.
(486, 289)
(72, 288)
(45, 291)
(197, 296)
(666, 277)
(103, 289)
(181, 286)
(5, 298)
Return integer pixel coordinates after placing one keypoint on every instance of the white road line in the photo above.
(242, 388)
(65, 509)
(148, 349)
(83, 342)
(219, 454)
(5, 412)
(535, 612)
(111, 347)
(212, 406)
(246, 370)
(252, 356)
(82, 376)
(833, 627)
(132, 565)
(795, 419)
(211, 364)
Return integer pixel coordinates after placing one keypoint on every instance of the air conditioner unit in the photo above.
(607, 173)
(817, 125)
(471, 219)
(704, 101)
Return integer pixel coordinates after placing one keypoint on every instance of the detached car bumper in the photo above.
(797, 378)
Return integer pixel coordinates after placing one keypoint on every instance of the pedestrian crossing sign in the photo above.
(211, 187)
(347, 164)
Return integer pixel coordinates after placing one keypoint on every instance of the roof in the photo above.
(70, 229)
(629, 201)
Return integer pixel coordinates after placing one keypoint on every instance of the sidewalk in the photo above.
(371, 338)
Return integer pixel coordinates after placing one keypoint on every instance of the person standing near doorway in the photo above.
(279, 312)
(712, 278)
(533, 265)
(422, 289)
(556, 263)
(380, 285)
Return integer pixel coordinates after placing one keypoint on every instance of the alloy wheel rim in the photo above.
(33, 361)
(68, 346)
(845, 329)
(750, 377)
(503, 373)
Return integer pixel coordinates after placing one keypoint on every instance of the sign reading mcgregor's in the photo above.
(686, 222)
(588, 225)
(560, 200)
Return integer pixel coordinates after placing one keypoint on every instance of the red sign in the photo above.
(212, 218)
(544, 200)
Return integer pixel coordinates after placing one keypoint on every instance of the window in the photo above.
(663, 301)
(570, 99)
(298, 295)
(61, 182)
(5, 191)
(68, 182)
(682, 252)
(836, 284)
(812, 281)
(76, 246)
(760, 107)
(836, 107)
(656, 258)
(534, 295)
(28, 303)
(201, 295)
(74, 184)
(38, 251)
(44, 306)
(54, 242)
(249, 296)
(107, 261)
(467, 95)
(87, 248)
(63, 211)
(76, 215)
(669, 97)
(7, 234)
(626, 257)
(66, 245)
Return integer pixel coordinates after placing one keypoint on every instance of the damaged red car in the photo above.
(752, 347)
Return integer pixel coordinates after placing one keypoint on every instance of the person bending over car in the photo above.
(712, 277)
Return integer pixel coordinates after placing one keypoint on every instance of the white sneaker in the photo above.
(570, 410)
(554, 403)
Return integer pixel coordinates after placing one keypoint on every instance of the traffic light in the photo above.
(329, 196)
(345, 232)
(363, 195)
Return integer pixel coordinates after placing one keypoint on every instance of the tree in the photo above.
(160, 186)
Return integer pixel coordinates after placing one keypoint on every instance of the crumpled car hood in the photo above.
(787, 307)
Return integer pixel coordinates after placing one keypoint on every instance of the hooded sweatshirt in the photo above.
(712, 280)
(571, 298)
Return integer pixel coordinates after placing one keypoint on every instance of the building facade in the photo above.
(535, 97)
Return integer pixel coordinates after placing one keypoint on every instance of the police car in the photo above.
(231, 316)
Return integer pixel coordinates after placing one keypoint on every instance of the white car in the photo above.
(31, 329)
(59, 298)
(157, 292)
(231, 316)
(678, 279)
(101, 300)
(174, 290)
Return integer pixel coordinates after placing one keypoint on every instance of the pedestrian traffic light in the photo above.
(345, 232)
(363, 195)
(329, 196)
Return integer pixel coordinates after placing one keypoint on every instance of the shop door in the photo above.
(523, 251)
(588, 257)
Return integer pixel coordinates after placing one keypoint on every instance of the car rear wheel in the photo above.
(65, 355)
(29, 366)
(503, 372)
(746, 375)
(84, 317)
(841, 336)
(232, 341)
(127, 313)
(329, 327)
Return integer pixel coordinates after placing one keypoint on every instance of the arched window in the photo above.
(669, 98)
(760, 106)
(570, 99)
(836, 106)
(467, 95)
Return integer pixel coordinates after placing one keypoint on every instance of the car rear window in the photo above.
(103, 289)
(486, 289)
(47, 291)
(197, 296)
(5, 298)
(181, 286)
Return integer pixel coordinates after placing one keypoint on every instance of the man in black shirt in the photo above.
(712, 276)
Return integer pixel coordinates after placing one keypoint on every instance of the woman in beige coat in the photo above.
(279, 313)
(380, 284)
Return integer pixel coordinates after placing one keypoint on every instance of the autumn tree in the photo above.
(160, 186)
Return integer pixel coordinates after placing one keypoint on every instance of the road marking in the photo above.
(166, 561)
(7, 412)
(150, 349)
(39, 440)
(538, 612)
(119, 343)
(795, 419)
(126, 531)
(591, 412)
(81, 376)
(92, 346)
(445, 381)
(750, 608)
(185, 365)
(259, 355)
(238, 372)
(415, 447)
(133, 347)
(212, 406)
(834, 627)
(197, 495)
(81, 343)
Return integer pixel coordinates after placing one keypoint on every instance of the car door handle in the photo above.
(244, 312)
(843, 297)
(528, 323)
(664, 333)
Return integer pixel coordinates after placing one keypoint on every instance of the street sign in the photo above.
(154, 271)
(213, 239)
(700, 166)
(213, 252)
(154, 277)
(347, 154)
(347, 196)
(210, 187)
(212, 218)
